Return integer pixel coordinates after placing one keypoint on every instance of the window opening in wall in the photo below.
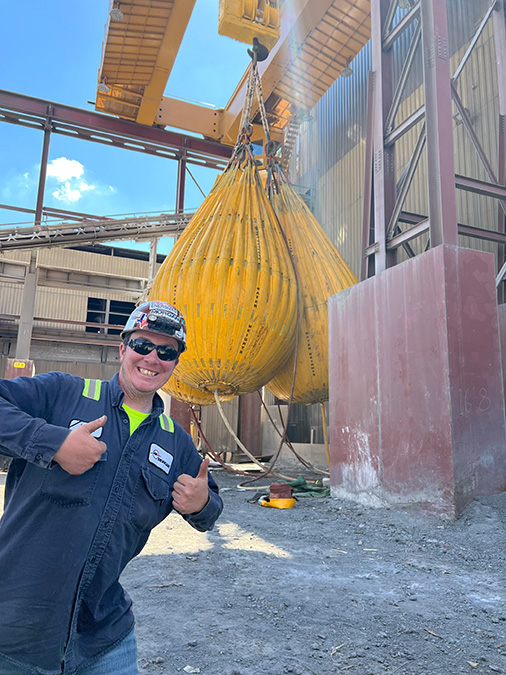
(118, 314)
(104, 311)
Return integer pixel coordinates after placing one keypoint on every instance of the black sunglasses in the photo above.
(144, 347)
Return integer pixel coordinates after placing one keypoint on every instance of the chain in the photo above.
(248, 102)
(261, 104)
(245, 126)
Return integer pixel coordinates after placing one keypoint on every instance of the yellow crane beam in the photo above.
(318, 39)
(138, 53)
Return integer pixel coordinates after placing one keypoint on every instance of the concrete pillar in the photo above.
(416, 391)
(25, 327)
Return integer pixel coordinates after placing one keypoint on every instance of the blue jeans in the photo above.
(121, 660)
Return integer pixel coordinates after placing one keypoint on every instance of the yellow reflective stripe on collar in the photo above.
(166, 423)
(92, 388)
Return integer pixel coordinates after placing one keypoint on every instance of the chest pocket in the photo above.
(150, 502)
(67, 490)
(63, 488)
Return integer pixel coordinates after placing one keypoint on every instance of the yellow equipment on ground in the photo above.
(280, 497)
(278, 503)
(321, 272)
(231, 276)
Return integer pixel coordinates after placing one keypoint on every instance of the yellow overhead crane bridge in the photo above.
(317, 39)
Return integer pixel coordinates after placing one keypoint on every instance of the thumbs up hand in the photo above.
(80, 450)
(190, 495)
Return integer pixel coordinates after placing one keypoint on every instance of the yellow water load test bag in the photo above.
(321, 272)
(186, 394)
(231, 276)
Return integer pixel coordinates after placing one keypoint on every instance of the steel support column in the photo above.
(249, 423)
(499, 19)
(180, 412)
(439, 123)
(181, 182)
(366, 268)
(153, 245)
(384, 159)
(425, 420)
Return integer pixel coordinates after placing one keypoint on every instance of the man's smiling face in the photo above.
(141, 375)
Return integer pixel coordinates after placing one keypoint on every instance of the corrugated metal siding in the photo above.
(331, 147)
(84, 261)
(91, 262)
(54, 303)
(215, 430)
(69, 303)
(97, 371)
(10, 298)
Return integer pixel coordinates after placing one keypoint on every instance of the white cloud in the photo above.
(83, 186)
(65, 193)
(68, 173)
(65, 169)
(68, 183)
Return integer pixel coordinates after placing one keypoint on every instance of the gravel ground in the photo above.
(328, 586)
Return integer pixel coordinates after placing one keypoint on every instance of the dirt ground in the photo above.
(328, 586)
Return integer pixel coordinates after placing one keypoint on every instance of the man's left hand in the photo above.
(190, 495)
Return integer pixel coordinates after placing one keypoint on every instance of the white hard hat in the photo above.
(157, 317)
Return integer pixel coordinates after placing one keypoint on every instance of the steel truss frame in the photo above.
(52, 118)
(386, 226)
(75, 122)
(92, 231)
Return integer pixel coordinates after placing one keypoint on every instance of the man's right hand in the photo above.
(80, 450)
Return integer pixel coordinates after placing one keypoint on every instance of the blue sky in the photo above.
(51, 50)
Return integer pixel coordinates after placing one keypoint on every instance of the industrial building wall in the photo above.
(84, 260)
(56, 303)
(329, 159)
(97, 371)
(93, 275)
(330, 154)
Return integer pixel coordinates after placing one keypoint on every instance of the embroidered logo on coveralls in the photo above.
(79, 423)
(160, 457)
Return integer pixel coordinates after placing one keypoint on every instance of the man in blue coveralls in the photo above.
(96, 465)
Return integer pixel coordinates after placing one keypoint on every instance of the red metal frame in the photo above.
(389, 221)
(28, 111)
(499, 19)
(181, 181)
(439, 122)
